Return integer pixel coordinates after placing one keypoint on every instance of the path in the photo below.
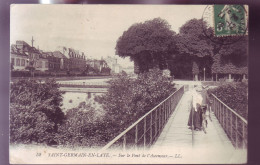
(213, 147)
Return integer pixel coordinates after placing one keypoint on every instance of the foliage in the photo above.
(34, 111)
(181, 66)
(128, 99)
(80, 127)
(232, 58)
(149, 44)
(106, 70)
(195, 46)
(235, 95)
(193, 41)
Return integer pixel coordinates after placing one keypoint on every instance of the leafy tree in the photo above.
(232, 58)
(35, 111)
(192, 40)
(81, 127)
(148, 44)
(194, 46)
(128, 99)
(198, 42)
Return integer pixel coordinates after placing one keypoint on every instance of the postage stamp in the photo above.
(225, 24)
(229, 20)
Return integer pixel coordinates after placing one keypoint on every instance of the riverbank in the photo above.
(14, 79)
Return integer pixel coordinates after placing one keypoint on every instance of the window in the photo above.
(12, 61)
(23, 62)
(46, 64)
(18, 62)
(39, 64)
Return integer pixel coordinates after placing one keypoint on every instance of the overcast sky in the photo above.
(93, 29)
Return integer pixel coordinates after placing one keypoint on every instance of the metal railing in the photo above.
(145, 131)
(233, 124)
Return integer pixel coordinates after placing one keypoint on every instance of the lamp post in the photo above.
(204, 73)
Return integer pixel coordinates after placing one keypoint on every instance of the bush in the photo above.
(80, 127)
(128, 99)
(36, 116)
(34, 111)
(235, 95)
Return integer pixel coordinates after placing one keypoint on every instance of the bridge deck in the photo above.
(213, 147)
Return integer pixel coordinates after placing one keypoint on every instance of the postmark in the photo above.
(225, 24)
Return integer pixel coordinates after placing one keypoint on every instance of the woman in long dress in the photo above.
(195, 117)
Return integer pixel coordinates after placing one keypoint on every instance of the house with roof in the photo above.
(77, 60)
(23, 55)
(19, 59)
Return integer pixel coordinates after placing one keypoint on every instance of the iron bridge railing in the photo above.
(145, 131)
(233, 124)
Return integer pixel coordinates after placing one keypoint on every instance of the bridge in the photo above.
(84, 87)
(164, 130)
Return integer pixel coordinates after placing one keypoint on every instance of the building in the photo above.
(97, 66)
(77, 61)
(19, 59)
(24, 56)
(64, 61)
(54, 62)
(113, 65)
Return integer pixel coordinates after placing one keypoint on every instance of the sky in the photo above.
(92, 29)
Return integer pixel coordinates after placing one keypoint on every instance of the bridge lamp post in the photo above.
(204, 73)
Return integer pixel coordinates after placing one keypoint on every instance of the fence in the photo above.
(234, 125)
(145, 131)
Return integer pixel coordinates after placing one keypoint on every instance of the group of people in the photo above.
(197, 118)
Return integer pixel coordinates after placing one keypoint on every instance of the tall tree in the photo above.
(195, 46)
(148, 44)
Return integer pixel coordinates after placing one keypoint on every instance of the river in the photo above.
(73, 99)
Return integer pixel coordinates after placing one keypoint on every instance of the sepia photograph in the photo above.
(135, 84)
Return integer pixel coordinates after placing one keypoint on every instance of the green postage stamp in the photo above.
(229, 20)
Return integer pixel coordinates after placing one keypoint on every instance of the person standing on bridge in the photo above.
(195, 117)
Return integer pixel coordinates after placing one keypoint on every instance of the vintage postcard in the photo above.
(135, 84)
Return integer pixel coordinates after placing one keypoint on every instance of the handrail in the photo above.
(243, 119)
(229, 120)
(122, 134)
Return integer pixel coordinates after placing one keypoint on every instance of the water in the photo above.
(73, 99)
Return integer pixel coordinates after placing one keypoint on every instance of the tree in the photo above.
(81, 127)
(148, 44)
(232, 58)
(128, 99)
(35, 111)
(192, 40)
(194, 46)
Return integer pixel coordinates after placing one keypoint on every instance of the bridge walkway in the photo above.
(213, 147)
